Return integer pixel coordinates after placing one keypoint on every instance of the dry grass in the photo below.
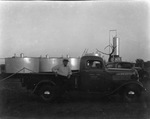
(16, 102)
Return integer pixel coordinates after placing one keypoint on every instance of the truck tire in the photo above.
(131, 94)
(47, 93)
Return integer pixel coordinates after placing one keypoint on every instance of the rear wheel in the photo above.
(47, 93)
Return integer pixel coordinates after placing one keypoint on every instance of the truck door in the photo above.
(96, 79)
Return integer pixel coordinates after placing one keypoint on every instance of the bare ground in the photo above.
(17, 103)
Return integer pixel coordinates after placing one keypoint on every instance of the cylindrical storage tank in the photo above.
(46, 64)
(74, 63)
(116, 45)
(13, 65)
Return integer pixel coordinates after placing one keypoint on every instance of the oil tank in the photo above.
(74, 63)
(116, 45)
(13, 65)
(46, 64)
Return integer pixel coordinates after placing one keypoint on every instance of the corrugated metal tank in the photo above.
(46, 64)
(74, 63)
(116, 45)
(15, 64)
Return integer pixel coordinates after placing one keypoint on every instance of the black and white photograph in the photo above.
(74, 59)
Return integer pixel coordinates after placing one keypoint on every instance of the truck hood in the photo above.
(123, 74)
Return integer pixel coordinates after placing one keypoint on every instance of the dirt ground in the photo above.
(17, 103)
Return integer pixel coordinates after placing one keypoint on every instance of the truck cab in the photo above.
(93, 76)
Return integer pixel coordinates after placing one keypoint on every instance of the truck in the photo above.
(92, 77)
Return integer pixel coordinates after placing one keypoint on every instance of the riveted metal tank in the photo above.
(15, 64)
(74, 63)
(46, 63)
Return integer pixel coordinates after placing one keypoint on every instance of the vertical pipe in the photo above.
(109, 41)
(119, 47)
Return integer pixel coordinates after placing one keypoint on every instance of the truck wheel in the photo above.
(131, 95)
(48, 93)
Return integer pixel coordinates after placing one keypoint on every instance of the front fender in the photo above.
(128, 84)
(133, 84)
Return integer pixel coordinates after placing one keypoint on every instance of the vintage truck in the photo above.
(92, 77)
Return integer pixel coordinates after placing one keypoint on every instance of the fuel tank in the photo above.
(15, 64)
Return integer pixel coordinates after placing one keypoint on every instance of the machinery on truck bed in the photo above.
(89, 76)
